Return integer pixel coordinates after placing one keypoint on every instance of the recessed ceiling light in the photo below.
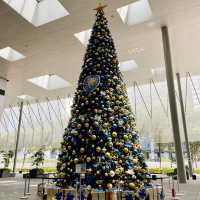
(158, 71)
(38, 12)
(50, 82)
(10, 54)
(135, 50)
(84, 36)
(128, 65)
(135, 13)
(25, 97)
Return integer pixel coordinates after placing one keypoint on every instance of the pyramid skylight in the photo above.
(38, 12)
(84, 36)
(10, 54)
(49, 82)
(128, 65)
(135, 13)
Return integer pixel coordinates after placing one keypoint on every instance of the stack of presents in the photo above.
(154, 192)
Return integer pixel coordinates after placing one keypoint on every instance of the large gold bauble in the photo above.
(107, 154)
(109, 185)
(93, 137)
(114, 134)
(98, 149)
(112, 173)
(82, 150)
(126, 137)
(76, 160)
(131, 186)
(125, 150)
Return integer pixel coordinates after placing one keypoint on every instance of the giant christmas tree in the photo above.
(101, 131)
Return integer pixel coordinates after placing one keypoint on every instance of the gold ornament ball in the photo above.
(109, 186)
(89, 170)
(106, 174)
(131, 186)
(93, 137)
(87, 125)
(117, 171)
(125, 150)
(98, 149)
(107, 154)
(110, 144)
(112, 173)
(82, 150)
(69, 147)
(135, 160)
(126, 137)
(114, 134)
(76, 160)
(93, 157)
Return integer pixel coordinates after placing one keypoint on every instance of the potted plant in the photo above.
(38, 160)
(6, 157)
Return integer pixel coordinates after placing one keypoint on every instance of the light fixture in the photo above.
(49, 82)
(159, 71)
(135, 50)
(25, 97)
(84, 36)
(10, 54)
(38, 12)
(128, 65)
(135, 13)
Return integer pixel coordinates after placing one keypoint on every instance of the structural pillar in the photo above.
(184, 124)
(3, 83)
(18, 136)
(173, 106)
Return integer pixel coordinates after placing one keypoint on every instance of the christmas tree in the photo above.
(101, 132)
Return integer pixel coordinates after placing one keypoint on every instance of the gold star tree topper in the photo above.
(100, 7)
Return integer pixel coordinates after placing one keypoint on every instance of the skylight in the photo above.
(135, 13)
(49, 82)
(128, 65)
(10, 54)
(38, 12)
(84, 36)
(25, 97)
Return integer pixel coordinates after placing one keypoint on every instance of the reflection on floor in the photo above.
(13, 188)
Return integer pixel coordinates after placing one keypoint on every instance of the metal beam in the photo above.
(173, 106)
(18, 135)
(184, 124)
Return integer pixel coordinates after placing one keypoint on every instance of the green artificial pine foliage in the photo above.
(101, 131)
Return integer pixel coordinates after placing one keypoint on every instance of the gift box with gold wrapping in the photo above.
(51, 193)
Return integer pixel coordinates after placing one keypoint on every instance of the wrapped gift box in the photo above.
(51, 192)
(98, 195)
(154, 192)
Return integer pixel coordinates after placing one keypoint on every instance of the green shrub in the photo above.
(5, 170)
(197, 170)
(164, 170)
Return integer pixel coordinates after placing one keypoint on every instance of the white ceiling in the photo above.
(53, 49)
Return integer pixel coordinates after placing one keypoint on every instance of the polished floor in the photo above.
(13, 189)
